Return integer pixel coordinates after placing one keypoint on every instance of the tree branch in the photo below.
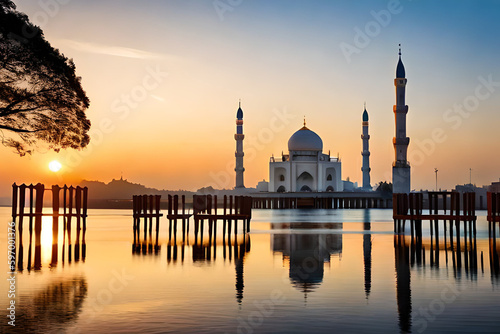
(6, 127)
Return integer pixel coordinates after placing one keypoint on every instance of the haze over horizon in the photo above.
(165, 77)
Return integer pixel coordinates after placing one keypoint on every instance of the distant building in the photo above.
(305, 168)
(494, 187)
(349, 185)
(401, 167)
(480, 193)
(263, 186)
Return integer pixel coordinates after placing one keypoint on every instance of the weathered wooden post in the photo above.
(215, 219)
(170, 213)
(224, 220)
(176, 213)
(39, 188)
(157, 206)
(70, 209)
(78, 208)
(22, 200)
(14, 202)
(84, 207)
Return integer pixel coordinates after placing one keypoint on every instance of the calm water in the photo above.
(298, 271)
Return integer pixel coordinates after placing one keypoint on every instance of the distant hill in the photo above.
(124, 190)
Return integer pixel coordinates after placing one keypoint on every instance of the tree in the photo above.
(384, 187)
(41, 98)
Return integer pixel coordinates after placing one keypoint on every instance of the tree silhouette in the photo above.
(384, 187)
(41, 98)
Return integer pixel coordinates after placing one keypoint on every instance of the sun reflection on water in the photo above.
(46, 239)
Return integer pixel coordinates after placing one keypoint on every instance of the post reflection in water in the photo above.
(494, 247)
(307, 253)
(145, 245)
(52, 308)
(205, 247)
(47, 244)
(460, 246)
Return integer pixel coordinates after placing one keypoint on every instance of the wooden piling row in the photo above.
(28, 201)
(409, 207)
(205, 208)
(146, 207)
(72, 198)
(452, 207)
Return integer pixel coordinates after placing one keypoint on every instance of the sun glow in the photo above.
(55, 166)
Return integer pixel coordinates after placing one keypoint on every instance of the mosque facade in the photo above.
(305, 168)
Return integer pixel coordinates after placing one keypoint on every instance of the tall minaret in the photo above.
(239, 136)
(366, 153)
(401, 167)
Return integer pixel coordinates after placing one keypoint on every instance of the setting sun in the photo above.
(55, 166)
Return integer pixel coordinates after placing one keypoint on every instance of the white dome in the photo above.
(305, 140)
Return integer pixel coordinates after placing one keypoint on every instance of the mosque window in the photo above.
(281, 189)
(282, 178)
(329, 177)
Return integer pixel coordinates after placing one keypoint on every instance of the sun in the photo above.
(55, 166)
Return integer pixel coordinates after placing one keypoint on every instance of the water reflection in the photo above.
(206, 246)
(46, 247)
(52, 308)
(306, 254)
(403, 282)
(456, 244)
(146, 245)
(494, 248)
(367, 252)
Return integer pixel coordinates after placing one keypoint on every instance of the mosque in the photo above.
(307, 169)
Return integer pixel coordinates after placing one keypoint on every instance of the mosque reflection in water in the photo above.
(307, 247)
(306, 253)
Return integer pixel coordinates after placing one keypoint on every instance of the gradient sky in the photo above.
(165, 77)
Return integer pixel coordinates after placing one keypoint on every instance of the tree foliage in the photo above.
(41, 98)
(384, 187)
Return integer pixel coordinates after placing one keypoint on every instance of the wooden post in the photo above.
(157, 206)
(151, 212)
(224, 219)
(176, 213)
(55, 213)
(84, 207)
(70, 209)
(229, 222)
(14, 202)
(215, 220)
(22, 200)
(39, 189)
(78, 207)
(31, 211)
(183, 208)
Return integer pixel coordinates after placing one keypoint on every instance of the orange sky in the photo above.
(164, 80)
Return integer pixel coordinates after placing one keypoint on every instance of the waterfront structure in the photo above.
(305, 168)
(400, 167)
(239, 136)
(365, 137)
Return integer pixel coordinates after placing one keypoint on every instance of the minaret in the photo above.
(401, 167)
(366, 153)
(239, 136)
